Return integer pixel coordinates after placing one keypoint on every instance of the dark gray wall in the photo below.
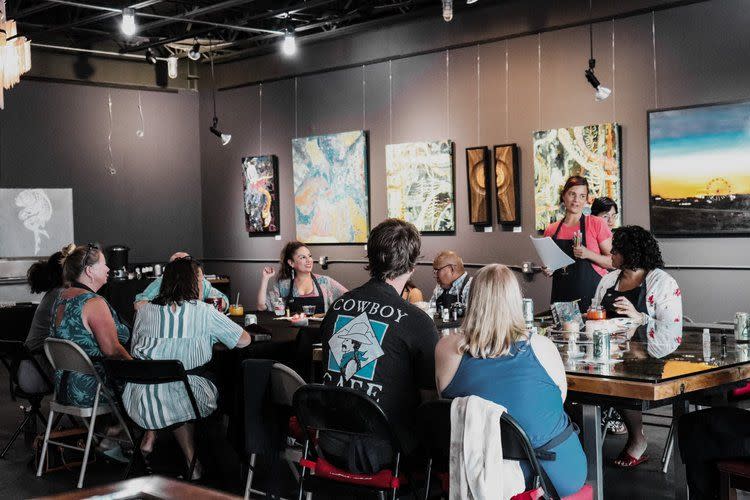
(483, 95)
(55, 135)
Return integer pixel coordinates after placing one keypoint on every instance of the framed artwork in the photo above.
(508, 184)
(479, 184)
(591, 151)
(260, 183)
(420, 185)
(331, 188)
(35, 222)
(699, 170)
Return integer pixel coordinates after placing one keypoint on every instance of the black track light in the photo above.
(225, 138)
(150, 57)
(195, 51)
(601, 92)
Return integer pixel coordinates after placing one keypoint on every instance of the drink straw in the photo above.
(238, 299)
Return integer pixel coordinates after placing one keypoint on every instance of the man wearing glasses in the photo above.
(152, 290)
(453, 283)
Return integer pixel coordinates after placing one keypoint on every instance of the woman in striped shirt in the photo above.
(176, 325)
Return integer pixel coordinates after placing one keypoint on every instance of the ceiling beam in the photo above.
(99, 17)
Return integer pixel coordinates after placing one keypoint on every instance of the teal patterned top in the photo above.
(74, 388)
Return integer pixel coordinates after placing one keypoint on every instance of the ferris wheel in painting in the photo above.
(719, 187)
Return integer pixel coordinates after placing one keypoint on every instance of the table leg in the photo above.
(679, 408)
(592, 447)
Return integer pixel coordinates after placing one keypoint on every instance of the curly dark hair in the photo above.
(638, 248)
(180, 282)
(44, 276)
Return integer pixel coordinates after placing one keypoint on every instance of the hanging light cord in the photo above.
(111, 166)
(141, 131)
(213, 78)
(591, 36)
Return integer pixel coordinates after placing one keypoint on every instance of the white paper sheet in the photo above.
(550, 254)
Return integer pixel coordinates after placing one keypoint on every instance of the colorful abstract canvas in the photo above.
(420, 186)
(260, 181)
(699, 163)
(592, 151)
(508, 182)
(479, 182)
(331, 188)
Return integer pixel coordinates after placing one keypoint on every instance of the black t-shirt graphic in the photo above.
(376, 342)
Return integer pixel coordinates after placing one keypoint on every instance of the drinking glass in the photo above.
(279, 309)
(308, 310)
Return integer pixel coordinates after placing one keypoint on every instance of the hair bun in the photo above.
(67, 250)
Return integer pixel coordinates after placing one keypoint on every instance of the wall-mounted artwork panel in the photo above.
(508, 184)
(480, 186)
(420, 185)
(331, 188)
(35, 222)
(592, 151)
(699, 170)
(260, 183)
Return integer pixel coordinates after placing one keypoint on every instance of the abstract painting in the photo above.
(331, 188)
(592, 151)
(479, 182)
(260, 181)
(35, 222)
(508, 183)
(699, 165)
(420, 185)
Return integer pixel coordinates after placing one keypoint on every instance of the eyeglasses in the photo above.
(436, 270)
(89, 247)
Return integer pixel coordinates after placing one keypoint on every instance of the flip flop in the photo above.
(629, 460)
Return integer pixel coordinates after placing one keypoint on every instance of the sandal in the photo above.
(625, 460)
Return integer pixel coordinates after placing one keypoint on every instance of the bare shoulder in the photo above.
(447, 349)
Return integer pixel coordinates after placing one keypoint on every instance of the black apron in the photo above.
(448, 299)
(577, 281)
(637, 296)
(295, 303)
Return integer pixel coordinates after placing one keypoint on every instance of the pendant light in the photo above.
(214, 128)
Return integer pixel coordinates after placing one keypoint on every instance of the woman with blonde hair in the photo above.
(497, 359)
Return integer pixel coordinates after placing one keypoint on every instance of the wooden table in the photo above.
(147, 487)
(649, 376)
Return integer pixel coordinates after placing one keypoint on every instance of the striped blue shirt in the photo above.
(186, 332)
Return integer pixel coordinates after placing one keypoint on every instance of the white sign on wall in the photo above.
(35, 222)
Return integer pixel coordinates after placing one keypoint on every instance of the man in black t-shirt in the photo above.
(378, 343)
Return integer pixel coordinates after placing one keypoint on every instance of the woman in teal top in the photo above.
(82, 316)
(496, 359)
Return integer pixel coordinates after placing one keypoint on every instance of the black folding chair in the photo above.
(148, 372)
(434, 425)
(346, 413)
(12, 354)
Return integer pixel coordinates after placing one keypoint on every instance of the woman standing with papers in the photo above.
(587, 240)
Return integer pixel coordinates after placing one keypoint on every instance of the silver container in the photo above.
(157, 270)
(445, 314)
(601, 345)
(251, 319)
(742, 326)
(528, 311)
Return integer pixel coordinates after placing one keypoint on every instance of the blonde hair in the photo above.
(494, 321)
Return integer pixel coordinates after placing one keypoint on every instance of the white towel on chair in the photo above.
(477, 468)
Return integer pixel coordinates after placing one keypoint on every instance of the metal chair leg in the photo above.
(427, 481)
(28, 417)
(668, 446)
(44, 444)
(89, 436)
(250, 471)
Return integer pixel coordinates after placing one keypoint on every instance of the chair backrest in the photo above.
(68, 356)
(434, 427)
(342, 410)
(150, 371)
(284, 383)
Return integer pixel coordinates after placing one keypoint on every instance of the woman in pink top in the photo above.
(586, 239)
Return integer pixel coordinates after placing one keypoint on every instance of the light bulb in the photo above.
(128, 22)
(172, 67)
(602, 93)
(289, 45)
(447, 10)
